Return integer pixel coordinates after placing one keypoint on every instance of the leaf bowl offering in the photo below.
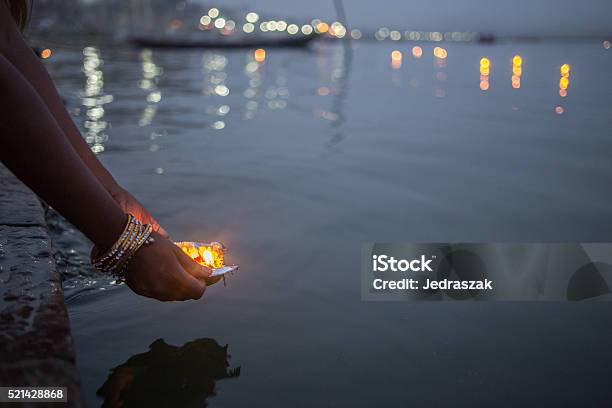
(210, 254)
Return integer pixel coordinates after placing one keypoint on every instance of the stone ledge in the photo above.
(35, 341)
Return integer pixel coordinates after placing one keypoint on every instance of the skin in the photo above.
(42, 146)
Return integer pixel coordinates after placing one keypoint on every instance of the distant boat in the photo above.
(486, 38)
(264, 41)
(195, 27)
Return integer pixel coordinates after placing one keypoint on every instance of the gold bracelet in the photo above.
(132, 238)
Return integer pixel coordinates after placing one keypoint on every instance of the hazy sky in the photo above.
(498, 16)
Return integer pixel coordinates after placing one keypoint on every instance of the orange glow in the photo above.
(260, 55)
(396, 59)
(440, 52)
(323, 91)
(516, 81)
(517, 60)
(516, 70)
(484, 85)
(559, 110)
(46, 53)
(322, 27)
(211, 255)
(565, 70)
(417, 52)
(562, 93)
(176, 24)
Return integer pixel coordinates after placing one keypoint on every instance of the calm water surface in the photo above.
(294, 162)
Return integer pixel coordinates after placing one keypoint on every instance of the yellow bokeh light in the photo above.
(440, 52)
(517, 60)
(485, 62)
(213, 12)
(563, 83)
(565, 69)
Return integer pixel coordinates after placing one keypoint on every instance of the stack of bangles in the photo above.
(116, 259)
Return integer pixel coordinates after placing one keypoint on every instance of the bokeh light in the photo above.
(440, 52)
(396, 59)
(485, 70)
(46, 53)
(260, 55)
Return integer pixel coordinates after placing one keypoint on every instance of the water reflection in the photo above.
(241, 85)
(93, 100)
(440, 55)
(517, 71)
(485, 69)
(169, 376)
(148, 83)
(564, 83)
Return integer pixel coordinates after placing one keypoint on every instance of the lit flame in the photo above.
(208, 257)
(211, 255)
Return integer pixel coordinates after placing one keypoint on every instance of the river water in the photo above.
(293, 162)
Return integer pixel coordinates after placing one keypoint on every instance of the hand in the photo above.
(162, 271)
(129, 204)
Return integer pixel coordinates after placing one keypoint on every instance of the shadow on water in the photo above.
(169, 376)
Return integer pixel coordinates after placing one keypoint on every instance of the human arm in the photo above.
(34, 148)
(20, 55)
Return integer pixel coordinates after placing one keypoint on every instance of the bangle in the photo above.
(132, 238)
